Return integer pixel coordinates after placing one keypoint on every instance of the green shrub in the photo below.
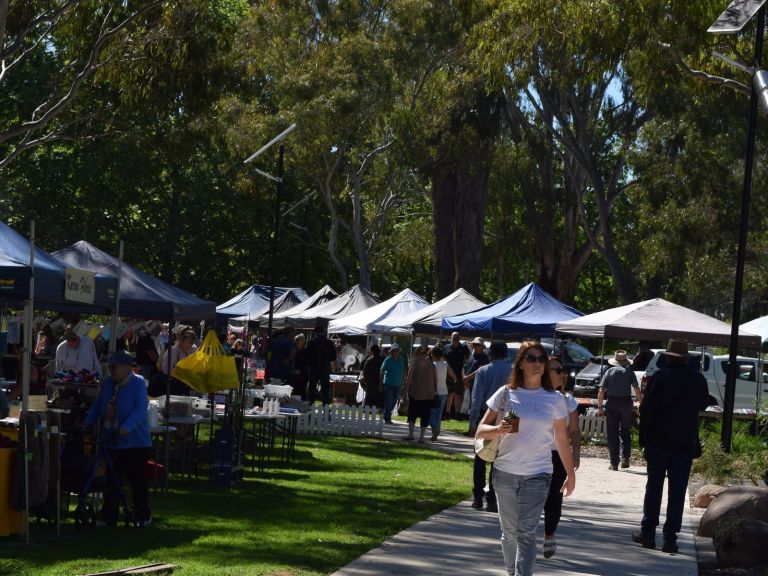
(748, 459)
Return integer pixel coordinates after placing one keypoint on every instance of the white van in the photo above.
(714, 370)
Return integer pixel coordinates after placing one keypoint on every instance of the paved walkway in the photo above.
(593, 536)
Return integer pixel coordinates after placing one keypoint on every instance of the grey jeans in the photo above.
(520, 500)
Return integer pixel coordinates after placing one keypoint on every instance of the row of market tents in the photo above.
(528, 312)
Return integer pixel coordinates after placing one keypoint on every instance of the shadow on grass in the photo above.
(338, 499)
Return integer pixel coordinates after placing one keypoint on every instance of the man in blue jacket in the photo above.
(121, 409)
(488, 379)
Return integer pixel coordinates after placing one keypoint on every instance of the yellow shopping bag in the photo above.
(209, 369)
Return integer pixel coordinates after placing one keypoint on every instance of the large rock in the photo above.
(736, 502)
(704, 495)
(741, 542)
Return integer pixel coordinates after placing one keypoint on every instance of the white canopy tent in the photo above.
(280, 320)
(656, 319)
(376, 318)
(350, 302)
(757, 326)
(427, 320)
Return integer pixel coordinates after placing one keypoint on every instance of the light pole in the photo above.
(733, 20)
(278, 192)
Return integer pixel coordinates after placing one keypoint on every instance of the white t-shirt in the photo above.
(572, 405)
(441, 367)
(528, 452)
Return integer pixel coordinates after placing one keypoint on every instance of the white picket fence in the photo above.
(340, 420)
(592, 427)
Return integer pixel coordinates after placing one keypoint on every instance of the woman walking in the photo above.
(421, 388)
(554, 505)
(442, 371)
(522, 471)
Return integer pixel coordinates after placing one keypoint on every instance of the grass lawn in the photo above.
(341, 497)
(458, 426)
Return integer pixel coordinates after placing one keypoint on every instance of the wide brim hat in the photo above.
(121, 357)
(677, 348)
(479, 341)
(619, 359)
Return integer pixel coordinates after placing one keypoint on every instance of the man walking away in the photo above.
(669, 433)
(322, 359)
(617, 384)
(488, 379)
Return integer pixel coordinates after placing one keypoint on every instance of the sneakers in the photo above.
(550, 547)
(492, 507)
(477, 504)
(646, 541)
(420, 440)
(670, 547)
(408, 437)
(434, 437)
(147, 521)
(625, 463)
(613, 467)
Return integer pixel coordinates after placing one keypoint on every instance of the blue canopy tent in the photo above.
(141, 295)
(528, 312)
(50, 278)
(253, 302)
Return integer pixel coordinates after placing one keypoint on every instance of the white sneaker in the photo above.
(550, 547)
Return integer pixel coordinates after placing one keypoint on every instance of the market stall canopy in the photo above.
(428, 320)
(141, 295)
(50, 279)
(280, 320)
(367, 321)
(656, 319)
(253, 301)
(350, 302)
(287, 301)
(528, 312)
(757, 326)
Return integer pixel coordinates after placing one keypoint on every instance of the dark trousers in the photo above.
(676, 466)
(553, 507)
(325, 388)
(478, 481)
(619, 420)
(128, 463)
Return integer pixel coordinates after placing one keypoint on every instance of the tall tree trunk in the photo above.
(458, 206)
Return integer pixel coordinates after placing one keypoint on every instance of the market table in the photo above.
(264, 431)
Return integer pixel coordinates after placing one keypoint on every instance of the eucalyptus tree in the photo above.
(49, 51)
(329, 68)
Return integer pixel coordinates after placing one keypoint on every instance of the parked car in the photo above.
(588, 380)
(714, 370)
(574, 356)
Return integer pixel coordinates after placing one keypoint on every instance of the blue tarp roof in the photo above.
(49, 278)
(530, 312)
(253, 301)
(141, 295)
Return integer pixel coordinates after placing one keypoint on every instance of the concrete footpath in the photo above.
(593, 537)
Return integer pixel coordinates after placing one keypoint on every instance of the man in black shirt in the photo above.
(146, 352)
(370, 378)
(456, 355)
(669, 433)
(322, 359)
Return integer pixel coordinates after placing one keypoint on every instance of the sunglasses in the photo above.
(558, 370)
(533, 358)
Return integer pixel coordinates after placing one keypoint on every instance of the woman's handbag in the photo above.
(487, 449)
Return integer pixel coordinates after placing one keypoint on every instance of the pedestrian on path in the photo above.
(553, 507)
(421, 389)
(442, 372)
(456, 354)
(617, 384)
(488, 379)
(523, 468)
(392, 372)
(669, 433)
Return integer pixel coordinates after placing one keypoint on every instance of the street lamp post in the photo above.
(732, 20)
(278, 193)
